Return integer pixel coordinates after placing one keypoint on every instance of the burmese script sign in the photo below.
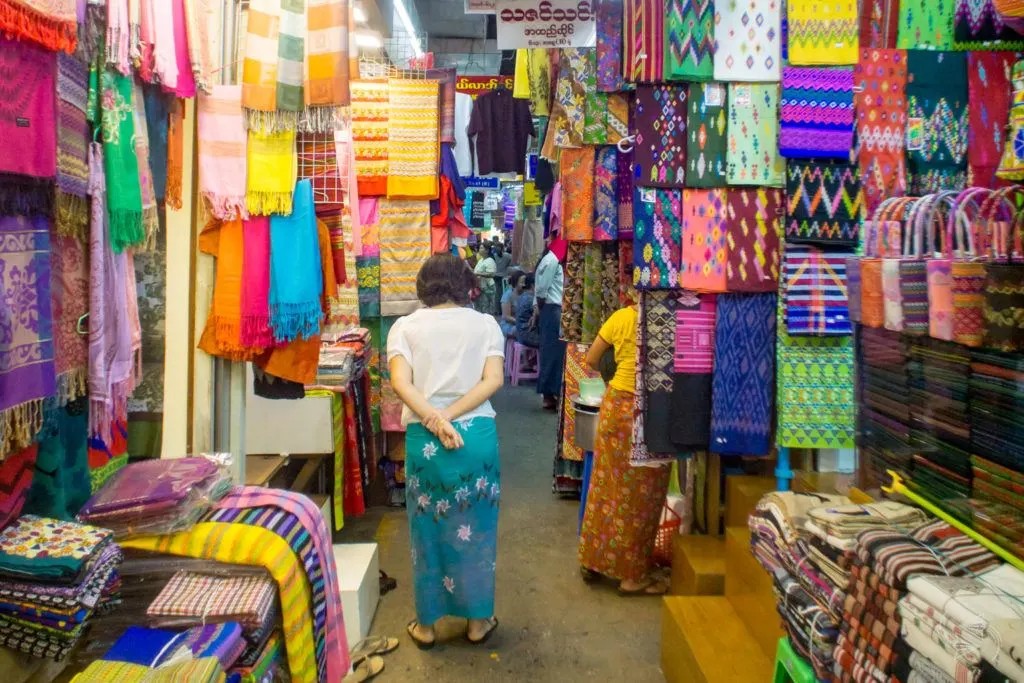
(546, 23)
(478, 85)
(481, 6)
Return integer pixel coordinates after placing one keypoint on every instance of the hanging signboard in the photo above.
(546, 23)
(482, 183)
(478, 85)
(531, 196)
(481, 6)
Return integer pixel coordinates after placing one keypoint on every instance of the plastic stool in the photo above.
(520, 354)
(789, 666)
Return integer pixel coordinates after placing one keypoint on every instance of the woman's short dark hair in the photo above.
(444, 279)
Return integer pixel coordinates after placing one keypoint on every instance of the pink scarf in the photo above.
(256, 332)
(222, 164)
(118, 36)
(186, 83)
(165, 61)
(147, 41)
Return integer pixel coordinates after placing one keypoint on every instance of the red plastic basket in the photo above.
(669, 527)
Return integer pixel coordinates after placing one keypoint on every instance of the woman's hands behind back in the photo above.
(444, 430)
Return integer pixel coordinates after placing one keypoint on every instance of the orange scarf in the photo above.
(222, 335)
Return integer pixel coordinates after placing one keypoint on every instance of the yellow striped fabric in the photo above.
(250, 545)
(413, 138)
(259, 68)
(203, 670)
(404, 246)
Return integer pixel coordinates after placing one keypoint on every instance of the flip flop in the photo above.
(365, 670)
(421, 644)
(661, 588)
(486, 636)
(374, 645)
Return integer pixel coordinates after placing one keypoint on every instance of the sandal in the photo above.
(486, 636)
(659, 587)
(366, 669)
(421, 644)
(374, 645)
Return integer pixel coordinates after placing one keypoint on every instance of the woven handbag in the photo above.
(969, 273)
(894, 267)
(872, 299)
(1003, 305)
(940, 269)
(913, 272)
(878, 237)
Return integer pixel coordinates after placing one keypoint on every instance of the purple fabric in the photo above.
(624, 190)
(27, 371)
(313, 522)
(150, 484)
(609, 45)
(223, 641)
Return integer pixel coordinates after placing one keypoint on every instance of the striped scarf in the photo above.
(272, 76)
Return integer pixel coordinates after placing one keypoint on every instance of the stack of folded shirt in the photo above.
(54, 576)
(885, 412)
(334, 370)
(870, 646)
(192, 598)
(157, 496)
(206, 670)
(155, 647)
(265, 664)
(972, 628)
(997, 407)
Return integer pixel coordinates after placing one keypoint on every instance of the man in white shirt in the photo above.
(547, 301)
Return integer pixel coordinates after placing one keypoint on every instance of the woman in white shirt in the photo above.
(548, 305)
(446, 362)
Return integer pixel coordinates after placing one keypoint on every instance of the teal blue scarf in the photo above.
(296, 271)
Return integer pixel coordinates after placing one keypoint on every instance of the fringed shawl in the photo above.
(124, 192)
(222, 170)
(72, 198)
(49, 23)
(296, 271)
(223, 333)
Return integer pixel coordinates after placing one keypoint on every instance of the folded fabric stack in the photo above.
(155, 647)
(939, 375)
(870, 646)
(335, 368)
(805, 595)
(970, 628)
(205, 670)
(192, 598)
(997, 408)
(54, 576)
(266, 663)
(157, 496)
(885, 412)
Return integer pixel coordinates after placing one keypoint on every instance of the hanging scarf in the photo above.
(595, 109)
(325, 83)
(175, 153)
(568, 114)
(606, 212)
(338, 256)
(28, 127)
(259, 75)
(404, 246)
(72, 199)
(185, 85)
(53, 24)
(69, 294)
(577, 176)
(199, 16)
(446, 79)
(118, 35)
(222, 172)
(690, 34)
(26, 343)
(937, 121)
(413, 145)
(657, 238)
(222, 336)
(124, 193)
(158, 106)
(146, 41)
(370, 136)
(165, 59)
(643, 41)
(989, 94)
(881, 108)
(271, 173)
(150, 218)
(296, 273)
(608, 15)
(256, 332)
(624, 193)
(754, 234)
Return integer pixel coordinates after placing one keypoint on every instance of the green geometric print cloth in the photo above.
(752, 156)
(705, 131)
(926, 25)
(815, 401)
(689, 40)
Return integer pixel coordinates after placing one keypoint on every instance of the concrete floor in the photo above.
(553, 626)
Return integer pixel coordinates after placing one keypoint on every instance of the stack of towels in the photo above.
(966, 628)
(157, 496)
(54, 576)
(248, 600)
(870, 645)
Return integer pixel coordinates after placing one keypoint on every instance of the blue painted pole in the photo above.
(588, 466)
(783, 473)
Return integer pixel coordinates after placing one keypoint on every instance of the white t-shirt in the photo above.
(465, 158)
(447, 349)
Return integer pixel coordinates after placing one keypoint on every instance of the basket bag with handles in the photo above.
(883, 233)
(940, 268)
(1003, 305)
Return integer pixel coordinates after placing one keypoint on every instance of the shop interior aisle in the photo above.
(553, 626)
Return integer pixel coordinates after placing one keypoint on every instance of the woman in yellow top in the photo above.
(624, 503)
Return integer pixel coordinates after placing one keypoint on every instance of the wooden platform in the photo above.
(704, 640)
(698, 565)
(748, 588)
(742, 492)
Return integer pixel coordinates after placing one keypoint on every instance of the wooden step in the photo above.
(748, 588)
(742, 492)
(698, 565)
(704, 640)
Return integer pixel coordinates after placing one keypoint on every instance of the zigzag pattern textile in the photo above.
(822, 32)
(977, 25)
(825, 203)
(753, 239)
(743, 393)
(937, 121)
(816, 113)
(881, 106)
(690, 36)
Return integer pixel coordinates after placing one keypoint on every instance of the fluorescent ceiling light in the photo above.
(414, 39)
(367, 39)
(359, 14)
